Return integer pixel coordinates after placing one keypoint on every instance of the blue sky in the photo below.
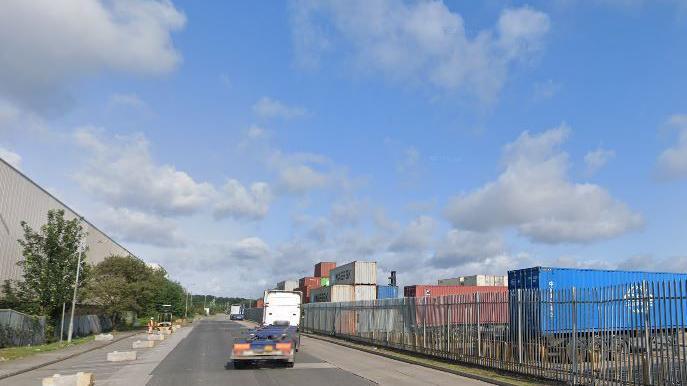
(238, 143)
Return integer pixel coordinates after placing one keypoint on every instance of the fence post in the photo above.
(574, 336)
(479, 333)
(520, 326)
(647, 337)
(448, 324)
(424, 325)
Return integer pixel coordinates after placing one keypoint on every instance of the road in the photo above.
(200, 356)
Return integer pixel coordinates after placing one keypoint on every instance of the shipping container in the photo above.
(305, 292)
(356, 272)
(287, 285)
(488, 307)
(387, 292)
(260, 303)
(333, 293)
(476, 280)
(322, 268)
(324, 281)
(309, 281)
(428, 290)
(547, 296)
(365, 292)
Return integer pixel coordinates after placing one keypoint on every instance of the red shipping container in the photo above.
(322, 268)
(309, 281)
(491, 307)
(305, 294)
(428, 290)
(260, 303)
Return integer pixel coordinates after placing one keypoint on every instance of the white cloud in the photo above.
(672, 163)
(138, 227)
(45, 44)
(251, 249)
(238, 202)
(299, 173)
(121, 171)
(596, 159)
(272, 108)
(417, 236)
(533, 194)
(463, 247)
(10, 157)
(422, 41)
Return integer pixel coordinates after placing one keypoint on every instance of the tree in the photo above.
(121, 283)
(49, 264)
(126, 283)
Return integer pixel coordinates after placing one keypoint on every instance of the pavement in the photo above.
(8, 368)
(199, 355)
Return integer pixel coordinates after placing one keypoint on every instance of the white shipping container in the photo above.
(365, 292)
(356, 272)
(287, 285)
(477, 280)
(333, 293)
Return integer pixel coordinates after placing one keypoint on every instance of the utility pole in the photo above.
(76, 286)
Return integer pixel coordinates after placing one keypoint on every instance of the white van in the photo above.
(282, 307)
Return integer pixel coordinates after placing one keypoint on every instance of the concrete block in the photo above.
(177, 326)
(103, 337)
(78, 379)
(118, 356)
(165, 331)
(154, 337)
(143, 344)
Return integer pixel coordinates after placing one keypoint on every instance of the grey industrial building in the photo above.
(21, 199)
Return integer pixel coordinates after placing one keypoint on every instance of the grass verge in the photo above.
(10, 353)
(491, 376)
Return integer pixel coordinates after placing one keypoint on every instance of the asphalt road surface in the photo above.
(203, 359)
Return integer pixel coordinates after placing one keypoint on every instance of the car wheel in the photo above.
(289, 364)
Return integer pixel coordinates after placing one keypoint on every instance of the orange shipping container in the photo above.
(322, 268)
(309, 281)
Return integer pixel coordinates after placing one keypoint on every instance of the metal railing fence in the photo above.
(632, 334)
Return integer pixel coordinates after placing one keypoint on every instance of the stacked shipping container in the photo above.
(387, 292)
(427, 290)
(356, 272)
(322, 268)
(476, 280)
(287, 285)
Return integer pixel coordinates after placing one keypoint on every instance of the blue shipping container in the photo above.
(603, 299)
(387, 292)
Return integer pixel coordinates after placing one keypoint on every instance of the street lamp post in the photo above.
(186, 310)
(76, 286)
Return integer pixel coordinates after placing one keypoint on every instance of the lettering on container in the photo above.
(343, 275)
(635, 300)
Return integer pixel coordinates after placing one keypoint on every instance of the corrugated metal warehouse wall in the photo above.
(23, 200)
